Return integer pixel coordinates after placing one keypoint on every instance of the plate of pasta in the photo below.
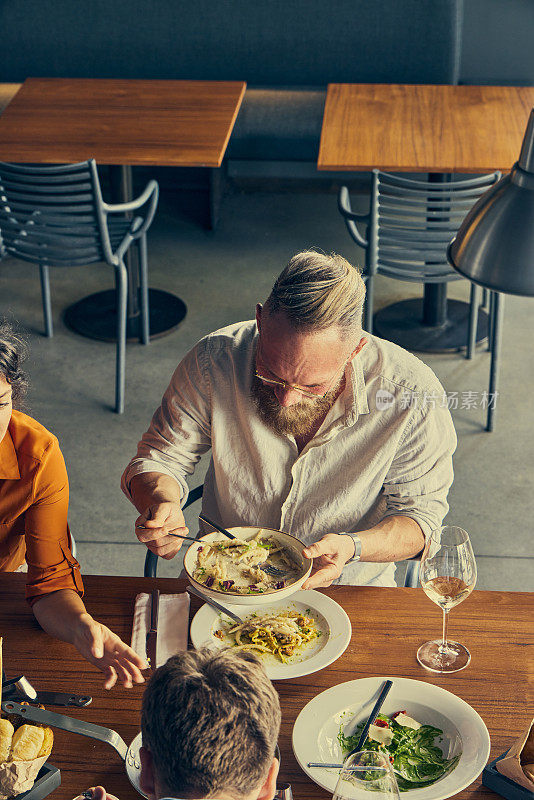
(293, 637)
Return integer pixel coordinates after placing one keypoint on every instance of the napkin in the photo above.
(173, 625)
(518, 763)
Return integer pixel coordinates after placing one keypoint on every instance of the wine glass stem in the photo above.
(443, 646)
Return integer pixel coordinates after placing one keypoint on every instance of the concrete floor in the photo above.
(221, 275)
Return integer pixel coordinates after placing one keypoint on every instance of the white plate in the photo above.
(331, 620)
(133, 763)
(317, 726)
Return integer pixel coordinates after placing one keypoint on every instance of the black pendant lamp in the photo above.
(494, 246)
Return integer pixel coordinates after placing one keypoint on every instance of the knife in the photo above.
(56, 699)
(152, 635)
(20, 689)
(386, 686)
(214, 604)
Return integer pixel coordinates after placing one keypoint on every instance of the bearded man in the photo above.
(315, 428)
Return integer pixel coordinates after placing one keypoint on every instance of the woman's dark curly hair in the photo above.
(13, 351)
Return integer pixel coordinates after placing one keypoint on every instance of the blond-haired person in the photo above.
(210, 725)
(315, 427)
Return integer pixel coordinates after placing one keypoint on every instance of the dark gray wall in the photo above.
(498, 41)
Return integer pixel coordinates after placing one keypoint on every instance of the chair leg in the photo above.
(484, 301)
(369, 300)
(498, 310)
(47, 305)
(473, 321)
(121, 279)
(143, 290)
(491, 319)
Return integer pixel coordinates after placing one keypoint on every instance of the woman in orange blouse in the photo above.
(34, 499)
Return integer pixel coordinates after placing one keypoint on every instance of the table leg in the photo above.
(431, 325)
(95, 315)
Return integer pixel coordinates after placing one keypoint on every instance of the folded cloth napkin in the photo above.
(173, 625)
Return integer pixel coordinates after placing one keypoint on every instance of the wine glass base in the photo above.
(452, 658)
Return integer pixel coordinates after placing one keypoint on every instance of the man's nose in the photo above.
(287, 397)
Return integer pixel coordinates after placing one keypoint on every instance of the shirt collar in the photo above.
(9, 465)
(357, 394)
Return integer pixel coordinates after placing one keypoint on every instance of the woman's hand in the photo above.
(103, 648)
(330, 554)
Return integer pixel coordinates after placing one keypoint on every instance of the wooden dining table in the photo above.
(432, 129)
(123, 123)
(388, 625)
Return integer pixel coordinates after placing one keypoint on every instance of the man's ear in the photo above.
(259, 309)
(146, 778)
(268, 789)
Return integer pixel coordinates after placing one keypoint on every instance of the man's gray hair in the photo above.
(316, 291)
(211, 722)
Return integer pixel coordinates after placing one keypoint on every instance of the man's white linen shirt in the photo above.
(384, 448)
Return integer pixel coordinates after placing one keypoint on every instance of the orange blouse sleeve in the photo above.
(51, 565)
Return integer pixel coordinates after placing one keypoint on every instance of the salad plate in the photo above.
(317, 727)
(333, 626)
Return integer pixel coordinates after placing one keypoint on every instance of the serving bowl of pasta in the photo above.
(240, 570)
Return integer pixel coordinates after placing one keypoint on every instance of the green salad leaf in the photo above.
(416, 759)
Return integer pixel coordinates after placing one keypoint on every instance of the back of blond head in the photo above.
(316, 291)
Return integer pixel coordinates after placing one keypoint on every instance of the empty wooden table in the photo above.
(432, 129)
(388, 625)
(126, 123)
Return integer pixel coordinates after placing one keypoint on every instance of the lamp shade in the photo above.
(494, 246)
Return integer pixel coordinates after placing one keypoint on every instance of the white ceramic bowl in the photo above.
(285, 539)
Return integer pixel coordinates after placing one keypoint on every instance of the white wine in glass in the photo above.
(448, 575)
(366, 775)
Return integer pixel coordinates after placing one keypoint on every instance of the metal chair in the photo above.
(55, 216)
(409, 225)
(411, 577)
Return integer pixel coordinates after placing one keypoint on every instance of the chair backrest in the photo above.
(413, 221)
(52, 215)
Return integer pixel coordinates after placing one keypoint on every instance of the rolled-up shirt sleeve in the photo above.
(421, 473)
(51, 565)
(180, 430)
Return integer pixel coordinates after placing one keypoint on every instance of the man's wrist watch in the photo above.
(357, 548)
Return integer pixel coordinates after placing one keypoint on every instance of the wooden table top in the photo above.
(156, 122)
(388, 627)
(423, 128)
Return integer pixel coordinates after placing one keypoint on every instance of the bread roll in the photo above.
(6, 735)
(27, 743)
(48, 741)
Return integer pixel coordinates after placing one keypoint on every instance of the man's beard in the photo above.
(296, 420)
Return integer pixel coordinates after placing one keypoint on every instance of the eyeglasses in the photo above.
(320, 391)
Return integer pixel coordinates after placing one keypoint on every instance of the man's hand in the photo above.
(108, 652)
(98, 793)
(161, 519)
(330, 554)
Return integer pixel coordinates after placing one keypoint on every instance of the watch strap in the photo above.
(357, 548)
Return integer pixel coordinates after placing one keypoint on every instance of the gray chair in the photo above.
(409, 226)
(408, 229)
(151, 559)
(55, 216)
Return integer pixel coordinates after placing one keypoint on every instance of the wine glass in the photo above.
(364, 772)
(448, 575)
